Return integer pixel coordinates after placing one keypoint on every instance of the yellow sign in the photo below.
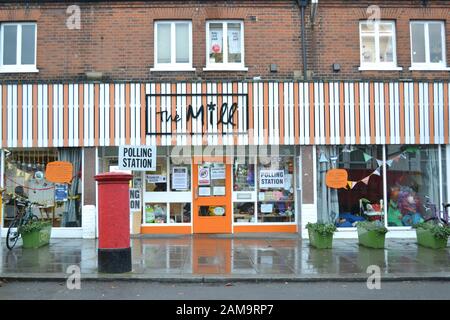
(336, 178)
(59, 172)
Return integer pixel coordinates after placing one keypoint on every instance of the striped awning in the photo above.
(285, 113)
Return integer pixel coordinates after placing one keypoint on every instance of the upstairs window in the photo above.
(427, 45)
(173, 46)
(377, 41)
(225, 45)
(18, 47)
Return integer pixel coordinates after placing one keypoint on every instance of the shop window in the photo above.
(180, 213)
(244, 212)
(243, 176)
(155, 213)
(412, 178)
(156, 181)
(359, 196)
(25, 178)
(276, 189)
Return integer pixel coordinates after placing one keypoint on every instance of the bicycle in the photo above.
(439, 217)
(24, 215)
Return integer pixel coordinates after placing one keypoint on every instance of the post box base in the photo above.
(114, 260)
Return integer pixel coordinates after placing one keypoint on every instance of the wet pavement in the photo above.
(224, 258)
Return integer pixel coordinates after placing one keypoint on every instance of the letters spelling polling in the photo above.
(130, 153)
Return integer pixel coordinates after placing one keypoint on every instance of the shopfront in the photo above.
(235, 157)
(216, 194)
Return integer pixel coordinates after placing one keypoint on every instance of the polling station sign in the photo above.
(137, 158)
(271, 179)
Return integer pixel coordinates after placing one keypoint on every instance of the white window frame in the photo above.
(225, 65)
(172, 66)
(378, 65)
(428, 65)
(18, 67)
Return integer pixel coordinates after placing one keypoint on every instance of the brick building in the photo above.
(258, 129)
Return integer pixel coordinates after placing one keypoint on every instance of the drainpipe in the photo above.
(302, 4)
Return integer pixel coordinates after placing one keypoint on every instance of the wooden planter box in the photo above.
(426, 239)
(320, 241)
(37, 239)
(371, 238)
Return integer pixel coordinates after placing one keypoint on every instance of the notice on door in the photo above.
(137, 158)
(204, 177)
(271, 179)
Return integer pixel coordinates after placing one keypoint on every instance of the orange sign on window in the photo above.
(336, 178)
(59, 172)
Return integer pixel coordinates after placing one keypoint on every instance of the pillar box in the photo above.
(114, 252)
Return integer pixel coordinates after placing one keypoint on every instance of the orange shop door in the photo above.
(211, 210)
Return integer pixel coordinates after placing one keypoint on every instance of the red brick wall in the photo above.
(335, 37)
(117, 38)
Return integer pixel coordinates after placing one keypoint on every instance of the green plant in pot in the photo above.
(36, 234)
(432, 235)
(371, 234)
(321, 234)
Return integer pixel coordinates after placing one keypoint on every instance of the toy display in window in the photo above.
(404, 207)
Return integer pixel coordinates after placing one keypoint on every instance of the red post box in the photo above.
(114, 251)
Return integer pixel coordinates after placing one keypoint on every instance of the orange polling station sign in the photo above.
(336, 178)
(59, 172)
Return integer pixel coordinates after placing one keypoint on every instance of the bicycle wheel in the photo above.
(13, 234)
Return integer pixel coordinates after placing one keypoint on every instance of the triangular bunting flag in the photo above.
(351, 184)
(366, 180)
(389, 162)
(367, 157)
(377, 171)
(403, 156)
(380, 162)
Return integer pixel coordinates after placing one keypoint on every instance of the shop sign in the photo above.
(225, 114)
(135, 199)
(271, 179)
(59, 172)
(137, 158)
(204, 177)
(179, 178)
(336, 178)
(218, 173)
(155, 178)
(61, 192)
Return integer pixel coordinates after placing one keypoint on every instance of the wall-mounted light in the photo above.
(336, 67)
(314, 5)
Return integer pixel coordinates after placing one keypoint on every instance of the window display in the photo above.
(180, 213)
(276, 189)
(244, 212)
(412, 177)
(156, 181)
(24, 176)
(155, 213)
(243, 176)
(360, 198)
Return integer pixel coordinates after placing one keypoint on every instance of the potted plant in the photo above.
(432, 235)
(321, 234)
(371, 234)
(36, 234)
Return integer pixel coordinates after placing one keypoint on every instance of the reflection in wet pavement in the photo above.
(231, 255)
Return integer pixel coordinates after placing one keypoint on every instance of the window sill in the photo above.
(18, 70)
(429, 68)
(380, 68)
(166, 69)
(226, 68)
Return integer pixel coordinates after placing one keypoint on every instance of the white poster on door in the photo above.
(271, 179)
(218, 173)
